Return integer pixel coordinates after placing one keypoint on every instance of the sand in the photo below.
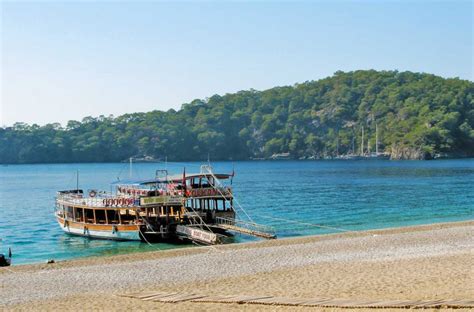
(413, 263)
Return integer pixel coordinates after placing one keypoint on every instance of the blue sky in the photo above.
(67, 60)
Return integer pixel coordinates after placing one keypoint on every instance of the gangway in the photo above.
(244, 227)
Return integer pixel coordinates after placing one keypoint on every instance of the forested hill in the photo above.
(417, 115)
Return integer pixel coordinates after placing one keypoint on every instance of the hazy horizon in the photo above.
(66, 61)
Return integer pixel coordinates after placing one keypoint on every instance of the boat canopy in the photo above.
(179, 178)
(140, 182)
(173, 179)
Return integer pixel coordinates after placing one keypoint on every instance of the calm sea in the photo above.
(292, 196)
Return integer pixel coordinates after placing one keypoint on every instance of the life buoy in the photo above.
(92, 193)
(104, 202)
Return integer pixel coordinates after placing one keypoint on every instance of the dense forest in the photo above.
(418, 116)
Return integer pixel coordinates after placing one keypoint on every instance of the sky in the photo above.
(63, 60)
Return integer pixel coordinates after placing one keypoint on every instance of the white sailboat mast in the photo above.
(376, 139)
(368, 143)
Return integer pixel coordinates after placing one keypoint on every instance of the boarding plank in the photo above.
(339, 303)
(269, 300)
(321, 302)
(430, 304)
(244, 299)
(459, 303)
(215, 298)
(160, 296)
(291, 301)
(180, 298)
(316, 302)
(146, 295)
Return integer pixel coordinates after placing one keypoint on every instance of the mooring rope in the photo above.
(306, 223)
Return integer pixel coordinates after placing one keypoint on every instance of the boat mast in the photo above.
(368, 143)
(77, 181)
(362, 143)
(376, 140)
(353, 144)
(130, 168)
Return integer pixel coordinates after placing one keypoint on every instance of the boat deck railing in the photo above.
(210, 191)
(115, 201)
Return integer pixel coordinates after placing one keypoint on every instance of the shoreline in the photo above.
(242, 160)
(197, 249)
(425, 262)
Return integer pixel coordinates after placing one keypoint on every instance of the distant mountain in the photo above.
(418, 116)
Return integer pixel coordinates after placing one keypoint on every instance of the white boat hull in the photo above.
(107, 231)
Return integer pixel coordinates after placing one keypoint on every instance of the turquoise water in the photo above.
(351, 195)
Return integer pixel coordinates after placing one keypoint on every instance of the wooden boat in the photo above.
(196, 207)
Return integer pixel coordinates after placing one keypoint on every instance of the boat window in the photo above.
(205, 182)
(89, 215)
(126, 217)
(79, 215)
(69, 213)
(100, 216)
(220, 204)
(154, 193)
(112, 216)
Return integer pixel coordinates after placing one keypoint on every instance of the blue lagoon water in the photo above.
(349, 195)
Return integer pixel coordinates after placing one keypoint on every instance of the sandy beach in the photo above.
(412, 263)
